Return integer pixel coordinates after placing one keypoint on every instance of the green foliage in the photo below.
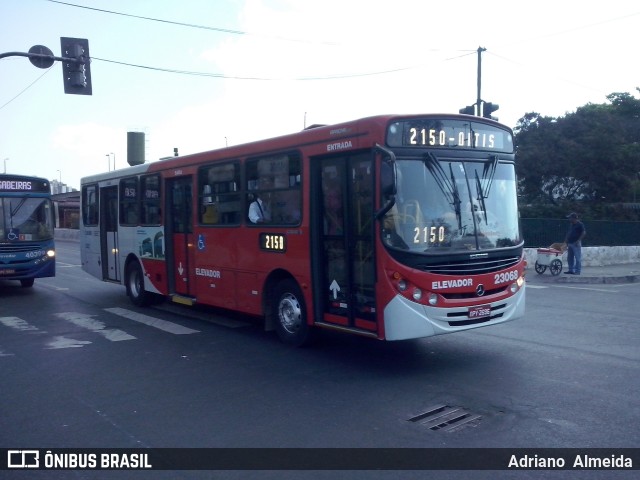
(586, 211)
(590, 158)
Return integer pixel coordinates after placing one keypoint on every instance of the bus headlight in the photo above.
(51, 253)
(417, 294)
(433, 298)
(402, 285)
(517, 285)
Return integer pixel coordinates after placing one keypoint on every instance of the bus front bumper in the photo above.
(404, 319)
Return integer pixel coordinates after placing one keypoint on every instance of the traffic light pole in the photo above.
(41, 58)
(76, 72)
(479, 100)
(481, 108)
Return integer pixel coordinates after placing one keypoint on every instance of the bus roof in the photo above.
(313, 135)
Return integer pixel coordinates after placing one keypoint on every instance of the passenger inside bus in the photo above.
(258, 210)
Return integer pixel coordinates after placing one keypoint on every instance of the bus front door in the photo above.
(109, 233)
(344, 270)
(179, 235)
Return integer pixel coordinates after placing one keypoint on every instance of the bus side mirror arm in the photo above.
(388, 206)
(387, 180)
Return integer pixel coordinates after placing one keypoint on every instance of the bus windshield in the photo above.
(25, 219)
(452, 205)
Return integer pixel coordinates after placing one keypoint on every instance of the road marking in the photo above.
(64, 342)
(3, 354)
(170, 327)
(588, 288)
(87, 321)
(19, 324)
(65, 265)
(536, 286)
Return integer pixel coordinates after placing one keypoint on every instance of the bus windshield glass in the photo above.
(452, 205)
(25, 219)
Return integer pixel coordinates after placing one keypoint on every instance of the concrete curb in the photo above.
(598, 279)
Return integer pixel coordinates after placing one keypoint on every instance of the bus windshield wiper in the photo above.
(488, 174)
(14, 211)
(447, 187)
(481, 197)
(456, 197)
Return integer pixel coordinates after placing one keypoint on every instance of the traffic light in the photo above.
(469, 110)
(488, 108)
(76, 70)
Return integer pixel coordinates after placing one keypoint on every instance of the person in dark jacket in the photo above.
(574, 244)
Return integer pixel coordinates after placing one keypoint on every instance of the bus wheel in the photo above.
(135, 285)
(290, 313)
(26, 283)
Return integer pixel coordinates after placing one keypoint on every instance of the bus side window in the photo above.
(150, 200)
(275, 180)
(219, 199)
(90, 205)
(129, 205)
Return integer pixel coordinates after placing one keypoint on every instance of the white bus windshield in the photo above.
(452, 206)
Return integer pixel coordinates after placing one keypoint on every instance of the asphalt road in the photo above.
(82, 368)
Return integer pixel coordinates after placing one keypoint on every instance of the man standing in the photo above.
(574, 244)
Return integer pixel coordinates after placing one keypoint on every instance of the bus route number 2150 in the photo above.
(273, 242)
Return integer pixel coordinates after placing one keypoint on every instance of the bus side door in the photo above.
(109, 233)
(179, 235)
(344, 262)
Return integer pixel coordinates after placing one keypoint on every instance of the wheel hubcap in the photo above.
(134, 284)
(290, 313)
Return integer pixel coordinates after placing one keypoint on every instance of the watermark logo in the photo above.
(23, 459)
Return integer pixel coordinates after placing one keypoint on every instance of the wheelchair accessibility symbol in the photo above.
(201, 244)
(13, 234)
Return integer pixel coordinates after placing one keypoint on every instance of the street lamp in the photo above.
(5, 164)
(114, 160)
(108, 161)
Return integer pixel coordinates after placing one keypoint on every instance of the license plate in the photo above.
(481, 311)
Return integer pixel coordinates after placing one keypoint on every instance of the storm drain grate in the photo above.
(445, 418)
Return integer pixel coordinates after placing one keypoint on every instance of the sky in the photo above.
(271, 67)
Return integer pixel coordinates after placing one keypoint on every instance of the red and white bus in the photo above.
(392, 227)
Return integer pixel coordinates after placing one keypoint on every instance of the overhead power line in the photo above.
(26, 88)
(238, 77)
(189, 25)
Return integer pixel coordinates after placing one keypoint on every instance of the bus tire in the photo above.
(290, 314)
(27, 283)
(135, 285)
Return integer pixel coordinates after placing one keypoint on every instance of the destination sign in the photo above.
(449, 133)
(20, 183)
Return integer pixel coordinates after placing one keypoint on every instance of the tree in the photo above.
(592, 154)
